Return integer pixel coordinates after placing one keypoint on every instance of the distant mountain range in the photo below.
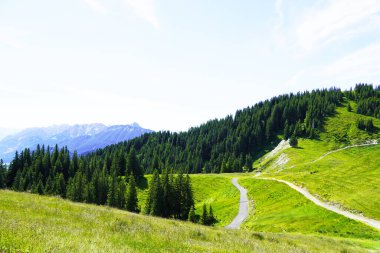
(82, 138)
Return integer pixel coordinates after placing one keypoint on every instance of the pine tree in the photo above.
(60, 185)
(156, 164)
(286, 130)
(177, 196)
(2, 174)
(122, 188)
(167, 194)
(204, 216)
(293, 142)
(211, 218)
(132, 165)
(187, 198)
(154, 204)
(192, 215)
(40, 187)
(49, 186)
(131, 198)
(14, 167)
(112, 191)
(74, 164)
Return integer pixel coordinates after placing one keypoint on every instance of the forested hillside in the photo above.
(232, 143)
(227, 145)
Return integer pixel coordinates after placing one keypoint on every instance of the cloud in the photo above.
(146, 9)
(96, 6)
(305, 30)
(335, 20)
(11, 36)
(362, 65)
(278, 35)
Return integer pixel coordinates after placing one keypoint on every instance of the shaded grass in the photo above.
(32, 223)
(279, 208)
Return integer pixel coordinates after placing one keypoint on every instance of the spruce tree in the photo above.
(122, 188)
(204, 216)
(131, 198)
(286, 130)
(167, 195)
(187, 198)
(155, 164)
(132, 165)
(192, 215)
(14, 167)
(154, 204)
(60, 185)
(112, 191)
(293, 142)
(211, 218)
(2, 174)
(40, 188)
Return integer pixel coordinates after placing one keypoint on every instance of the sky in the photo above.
(174, 64)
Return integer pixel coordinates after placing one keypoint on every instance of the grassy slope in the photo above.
(46, 224)
(350, 177)
(278, 208)
(216, 190)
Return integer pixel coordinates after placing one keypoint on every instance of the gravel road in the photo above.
(243, 207)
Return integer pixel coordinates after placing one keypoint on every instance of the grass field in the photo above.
(33, 223)
(279, 208)
(215, 189)
(350, 177)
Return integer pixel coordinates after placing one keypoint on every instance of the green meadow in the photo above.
(279, 208)
(33, 223)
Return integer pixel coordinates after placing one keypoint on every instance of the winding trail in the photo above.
(243, 207)
(371, 222)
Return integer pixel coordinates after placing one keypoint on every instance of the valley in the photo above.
(320, 194)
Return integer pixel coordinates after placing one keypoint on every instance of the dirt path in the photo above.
(371, 222)
(243, 207)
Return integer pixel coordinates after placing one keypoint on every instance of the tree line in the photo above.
(81, 179)
(233, 143)
(367, 98)
(218, 146)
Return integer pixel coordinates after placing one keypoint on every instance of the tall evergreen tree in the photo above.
(112, 191)
(204, 216)
(133, 165)
(2, 174)
(155, 201)
(192, 217)
(131, 198)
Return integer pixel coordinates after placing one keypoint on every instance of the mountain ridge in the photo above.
(83, 138)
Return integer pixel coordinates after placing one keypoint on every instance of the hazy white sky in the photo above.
(175, 64)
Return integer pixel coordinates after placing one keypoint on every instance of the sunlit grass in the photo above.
(349, 177)
(33, 223)
(279, 208)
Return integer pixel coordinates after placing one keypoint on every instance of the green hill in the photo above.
(348, 177)
(33, 223)
(278, 208)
